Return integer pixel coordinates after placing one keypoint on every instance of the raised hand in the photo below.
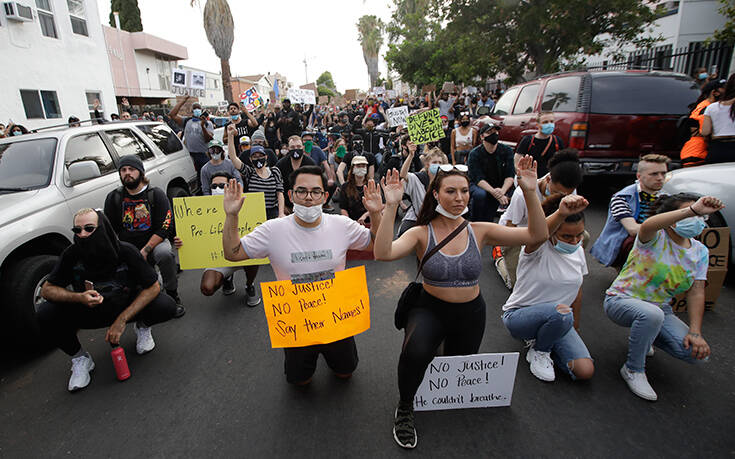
(572, 204)
(707, 205)
(231, 130)
(392, 187)
(526, 173)
(371, 198)
(233, 199)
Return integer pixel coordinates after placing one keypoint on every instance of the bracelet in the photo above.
(694, 211)
(696, 335)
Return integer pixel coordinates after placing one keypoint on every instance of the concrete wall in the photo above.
(69, 65)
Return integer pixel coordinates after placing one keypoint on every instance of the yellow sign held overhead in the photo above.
(318, 312)
(200, 221)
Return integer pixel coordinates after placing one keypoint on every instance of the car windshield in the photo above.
(26, 165)
(642, 95)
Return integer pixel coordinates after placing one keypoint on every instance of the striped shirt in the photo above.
(620, 209)
(269, 186)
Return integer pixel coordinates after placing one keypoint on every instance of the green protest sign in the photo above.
(425, 127)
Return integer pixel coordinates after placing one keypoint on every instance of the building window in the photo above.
(40, 104)
(93, 96)
(46, 18)
(78, 17)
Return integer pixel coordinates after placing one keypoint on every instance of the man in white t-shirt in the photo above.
(304, 247)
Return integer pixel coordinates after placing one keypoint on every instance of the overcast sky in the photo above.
(272, 36)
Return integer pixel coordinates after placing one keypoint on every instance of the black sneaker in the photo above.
(228, 285)
(180, 311)
(404, 431)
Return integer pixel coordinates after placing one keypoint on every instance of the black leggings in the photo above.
(460, 325)
(59, 322)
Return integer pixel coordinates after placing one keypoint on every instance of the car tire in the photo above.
(23, 282)
(716, 220)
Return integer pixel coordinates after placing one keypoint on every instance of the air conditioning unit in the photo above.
(16, 11)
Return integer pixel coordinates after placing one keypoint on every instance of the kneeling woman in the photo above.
(548, 294)
(450, 307)
(665, 261)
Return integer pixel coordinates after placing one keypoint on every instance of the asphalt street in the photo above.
(213, 387)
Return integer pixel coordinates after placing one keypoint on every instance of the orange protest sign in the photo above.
(318, 312)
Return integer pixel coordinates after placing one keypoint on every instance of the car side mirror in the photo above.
(82, 171)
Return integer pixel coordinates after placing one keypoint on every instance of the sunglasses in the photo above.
(88, 228)
(449, 167)
(218, 185)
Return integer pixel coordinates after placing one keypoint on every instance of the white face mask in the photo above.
(216, 191)
(307, 214)
(442, 211)
(360, 172)
(216, 156)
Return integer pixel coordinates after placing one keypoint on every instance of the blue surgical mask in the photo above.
(566, 248)
(547, 128)
(197, 112)
(703, 75)
(17, 132)
(433, 168)
(689, 227)
(235, 117)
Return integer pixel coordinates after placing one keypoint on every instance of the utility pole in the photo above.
(306, 75)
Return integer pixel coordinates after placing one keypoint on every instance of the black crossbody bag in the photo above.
(413, 290)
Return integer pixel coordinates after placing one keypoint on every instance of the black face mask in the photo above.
(492, 139)
(464, 123)
(296, 153)
(258, 163)
(99, 251)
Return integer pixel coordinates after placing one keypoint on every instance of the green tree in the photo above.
(471, 40)
(129, 15)
(325, 91)
(370, 30)
(326, 80)
(220, 30)
(727, 32)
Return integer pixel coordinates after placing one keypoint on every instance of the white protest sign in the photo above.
(178, 78)
(301, 96)
(391, 94)
(309, 97)
(223, 104)
(467, 381)
(198, 80)
(379, 90)
(397, 116)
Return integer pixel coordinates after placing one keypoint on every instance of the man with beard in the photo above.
(243, 120)
(289, 122)
(141, 215)
(112, 286)
(289, 163)
(491, 174)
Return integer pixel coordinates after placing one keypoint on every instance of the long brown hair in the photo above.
(428, 208)
(351, 186)
(730, 94)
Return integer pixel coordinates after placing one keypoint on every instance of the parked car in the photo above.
(709, 180)
(46, 177)
(611, 117)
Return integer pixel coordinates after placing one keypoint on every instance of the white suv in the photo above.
(46, 177)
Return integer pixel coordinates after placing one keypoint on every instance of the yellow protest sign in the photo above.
(425, 127)
(318, 312)
(200, 221)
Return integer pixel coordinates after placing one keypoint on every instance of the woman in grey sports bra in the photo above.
(450, 307)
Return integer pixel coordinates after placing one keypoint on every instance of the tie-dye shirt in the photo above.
(660, 269)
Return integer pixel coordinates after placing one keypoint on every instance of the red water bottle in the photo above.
(120, 363)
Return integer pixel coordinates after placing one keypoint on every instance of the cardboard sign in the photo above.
(425, 127)
(250, 99)
(717, 241)
(200, 222)
(178, 78)
(449, 87)
(467, 381)
(198, 80)
(318, 312)
(351, 94)
(323, 100)
(428, 88)
(397, 116)
(301, 96)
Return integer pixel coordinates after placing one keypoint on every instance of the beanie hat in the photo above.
(258, 135)
(131, 161)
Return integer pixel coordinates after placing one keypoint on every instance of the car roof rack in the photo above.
(90, 121)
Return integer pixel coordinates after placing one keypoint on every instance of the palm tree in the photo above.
(220, 30)
(370, 29)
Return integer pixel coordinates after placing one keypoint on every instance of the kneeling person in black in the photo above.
(124, 287)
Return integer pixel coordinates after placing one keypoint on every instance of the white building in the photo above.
(55, 62)
(214, 93)
(683, 28)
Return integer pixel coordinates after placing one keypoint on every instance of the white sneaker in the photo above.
(638, 384)
(542, 366)
(650, 352)
(252, 299)
(145, 341)
(80, 368)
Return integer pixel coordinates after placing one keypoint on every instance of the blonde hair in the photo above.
(84, 211)
(435, 153)
(293, 137)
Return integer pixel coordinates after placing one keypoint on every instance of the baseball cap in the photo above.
(359, 160)
(215, 143)
(487, 126)
(245, 140)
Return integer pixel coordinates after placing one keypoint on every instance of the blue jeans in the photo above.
(649, 324)
(484, 206)
(553, 331)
